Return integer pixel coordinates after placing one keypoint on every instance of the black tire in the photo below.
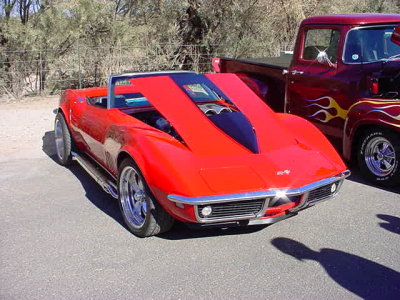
(156, 219)
(376, 164)
(63, 140)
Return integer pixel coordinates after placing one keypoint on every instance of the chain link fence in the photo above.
(31, 72)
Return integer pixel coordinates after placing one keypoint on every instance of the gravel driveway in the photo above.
(62, 237)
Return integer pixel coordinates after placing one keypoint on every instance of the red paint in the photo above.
(306, 87)
(210, 162)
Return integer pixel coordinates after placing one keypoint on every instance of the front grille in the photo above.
(323, 192)
(237, 209)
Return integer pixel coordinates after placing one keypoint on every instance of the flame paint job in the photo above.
(323, 114)
(337, 98)
(287, 143)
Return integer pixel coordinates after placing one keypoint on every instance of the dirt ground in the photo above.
(22, 126)
(63, 237)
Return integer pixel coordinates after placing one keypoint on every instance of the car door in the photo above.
(90, 118)
(315, 89)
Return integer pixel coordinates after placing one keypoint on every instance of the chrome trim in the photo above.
(260, 213)
(303, 203)
(136, 75)
(107, 185)
(256, 195)
(358, 28)
(266, 221)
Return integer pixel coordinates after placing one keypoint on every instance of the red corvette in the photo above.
(201, 149)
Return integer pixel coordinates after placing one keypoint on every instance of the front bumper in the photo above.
(262, 207)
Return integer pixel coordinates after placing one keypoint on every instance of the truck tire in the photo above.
(379, 156)
(143, 215)
(63, 140)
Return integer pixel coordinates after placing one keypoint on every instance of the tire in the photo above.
(63, 140)
(378, 156)
(143, 215)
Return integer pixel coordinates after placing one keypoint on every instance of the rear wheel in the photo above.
(379, 157)
(141, 212)
(63, 140)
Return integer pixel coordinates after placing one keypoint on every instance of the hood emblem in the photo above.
(285, 172)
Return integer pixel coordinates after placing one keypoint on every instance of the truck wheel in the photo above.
(143, 215)
(379, 155)
(63, 140)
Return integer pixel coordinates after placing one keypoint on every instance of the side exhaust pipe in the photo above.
(107, 185)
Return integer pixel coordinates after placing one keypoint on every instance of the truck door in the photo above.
(314, 90)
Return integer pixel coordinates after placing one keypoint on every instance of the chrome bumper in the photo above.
(269, 194)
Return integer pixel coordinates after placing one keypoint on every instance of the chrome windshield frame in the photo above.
(126, 76)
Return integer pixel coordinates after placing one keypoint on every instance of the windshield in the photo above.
(372, 44)
(199, 89)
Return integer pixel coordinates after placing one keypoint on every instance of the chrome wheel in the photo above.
(133, 197)
(380, 156)
(59, 139)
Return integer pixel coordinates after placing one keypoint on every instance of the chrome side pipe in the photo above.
(107, 185)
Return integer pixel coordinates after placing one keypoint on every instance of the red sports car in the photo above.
(198, 148)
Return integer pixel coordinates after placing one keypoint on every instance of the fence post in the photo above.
(40, 72)
(79, 66)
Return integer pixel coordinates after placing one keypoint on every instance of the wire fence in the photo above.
(32, 72)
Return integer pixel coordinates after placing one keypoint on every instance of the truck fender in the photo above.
(366, 114)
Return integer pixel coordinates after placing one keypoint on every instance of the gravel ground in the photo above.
(62, 237)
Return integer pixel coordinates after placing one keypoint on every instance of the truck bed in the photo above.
(281, 62)
(270, 70)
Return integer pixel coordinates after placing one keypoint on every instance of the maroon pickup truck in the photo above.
(344, 77)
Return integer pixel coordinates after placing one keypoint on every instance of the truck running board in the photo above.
(97, 175)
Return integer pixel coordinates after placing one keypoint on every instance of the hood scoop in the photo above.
(236, 125)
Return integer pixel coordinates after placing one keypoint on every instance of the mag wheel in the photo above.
(379, 155)
(63, 140)
(141, 212)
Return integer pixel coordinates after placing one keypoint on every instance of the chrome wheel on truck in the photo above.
(379, 155)
(143, 215)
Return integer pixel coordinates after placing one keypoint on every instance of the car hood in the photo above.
(200, 134)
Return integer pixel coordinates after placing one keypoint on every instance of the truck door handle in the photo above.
(294, 72)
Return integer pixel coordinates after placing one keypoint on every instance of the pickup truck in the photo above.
(344, 77)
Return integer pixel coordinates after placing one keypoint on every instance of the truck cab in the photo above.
(344, 77)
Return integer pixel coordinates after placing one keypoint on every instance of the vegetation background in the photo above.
(50, 45)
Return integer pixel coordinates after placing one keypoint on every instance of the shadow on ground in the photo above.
(94, 193)
(391, 223)
(107, 204)
(363, 277)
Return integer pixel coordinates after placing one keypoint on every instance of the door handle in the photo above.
(294, 72)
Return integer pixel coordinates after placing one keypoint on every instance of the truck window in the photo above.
(321, 45)
(371, 44)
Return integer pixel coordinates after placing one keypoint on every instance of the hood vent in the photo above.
(236, 125)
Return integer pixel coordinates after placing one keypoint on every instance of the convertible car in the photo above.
(199, 148)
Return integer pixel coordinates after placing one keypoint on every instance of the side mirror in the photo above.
(396, 35)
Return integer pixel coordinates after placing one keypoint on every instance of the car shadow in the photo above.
(180, 231)
(94, 193)
(107, 204)
(365, 278)
(391, 223)
(356, 177)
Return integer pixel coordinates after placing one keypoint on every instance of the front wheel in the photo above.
(141, 212)
(379, 156)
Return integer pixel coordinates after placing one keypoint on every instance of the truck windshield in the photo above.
(371, 44)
